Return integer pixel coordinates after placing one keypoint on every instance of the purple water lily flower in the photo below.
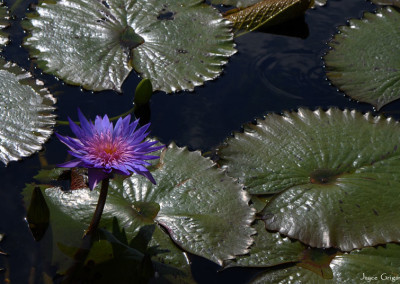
(104, 149)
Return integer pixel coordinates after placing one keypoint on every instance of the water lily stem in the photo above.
(99, 208)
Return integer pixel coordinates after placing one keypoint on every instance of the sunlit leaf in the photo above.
(25, 107)
(379, 265)
(266, 13)
(337, 174)
(26, 113)
(364, 71)
(177, 44)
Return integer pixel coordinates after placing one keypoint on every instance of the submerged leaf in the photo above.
(267, 13)
(143, 93)
(38, 214)
(337, 174)
(364, 71)
(177, 44)
(26, 113)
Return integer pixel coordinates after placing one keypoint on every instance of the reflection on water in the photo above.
(270, 73)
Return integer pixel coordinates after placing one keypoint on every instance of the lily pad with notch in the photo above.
(176, 44)
(335, 175)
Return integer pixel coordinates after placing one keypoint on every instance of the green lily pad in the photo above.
(380, 264)
(4, 22)
(266, 13)
(26, 113)
(364, 71)
(387, 2)
(337, 174)
(247, 3)
(68, 229)
(236, 3)
(176, 44)
(269, 249)
(204, 211)
(259, 202)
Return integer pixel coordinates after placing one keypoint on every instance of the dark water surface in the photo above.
(270, 73)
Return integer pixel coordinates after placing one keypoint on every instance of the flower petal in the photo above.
(95, 176)
(75, 128)
(104, 149)
(145, 172)
(86, 126)
(71, 164)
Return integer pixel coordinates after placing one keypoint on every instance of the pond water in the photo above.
(273, 71)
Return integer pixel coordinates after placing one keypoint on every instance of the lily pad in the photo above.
(387, 2)
(4, 22)
(366, 265)
(270, 249)
(176, 44)
(247, 3)
(26, 113)
(319, 3)
(68, 229)
(236, 3)
(364, 71)
(266, 13)
(337, 174)
(204, 211)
